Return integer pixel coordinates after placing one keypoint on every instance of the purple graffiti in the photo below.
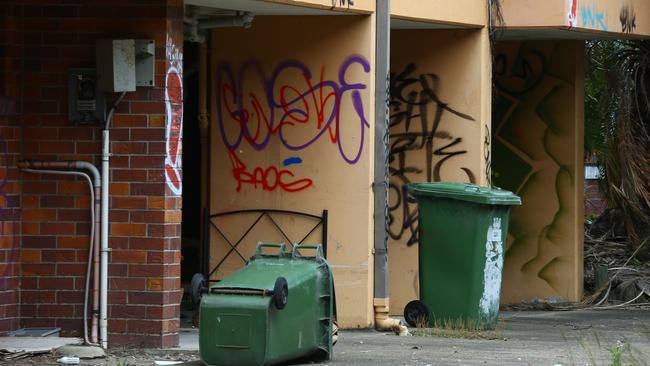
(309, 103)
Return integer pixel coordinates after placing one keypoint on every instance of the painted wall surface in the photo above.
(439, 121)
(341, 5)
(614, 16)
(457, 12)
(292, 123)
(534, 13)
(617, 16)
(538, 153)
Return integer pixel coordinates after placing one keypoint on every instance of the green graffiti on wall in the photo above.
(533, 155)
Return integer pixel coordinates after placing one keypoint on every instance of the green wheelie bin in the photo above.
(462, 234)
(278, 308)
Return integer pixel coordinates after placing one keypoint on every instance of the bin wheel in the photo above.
(280, 293)
(198, 288)
(335, 332)
(416, 313)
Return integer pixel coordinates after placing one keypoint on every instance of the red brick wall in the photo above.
(10, 51)
(144, 212)
(594, 201)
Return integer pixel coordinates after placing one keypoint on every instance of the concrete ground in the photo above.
(522, 338)
(587, 337)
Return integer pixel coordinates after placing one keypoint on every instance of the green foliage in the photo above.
(603, 92)
(617, 127)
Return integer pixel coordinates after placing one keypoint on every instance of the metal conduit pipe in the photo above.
(195, 28)
(96, 245)
(105, 177)
(96, 178)
(46, 167)
(245, 20)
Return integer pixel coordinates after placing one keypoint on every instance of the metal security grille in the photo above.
(211, 225)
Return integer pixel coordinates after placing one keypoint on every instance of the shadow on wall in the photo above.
(533, 155)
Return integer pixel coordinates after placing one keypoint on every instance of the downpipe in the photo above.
(383, 321)
(105, 176)
(103, 285)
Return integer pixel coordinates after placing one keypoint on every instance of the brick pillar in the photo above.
(145, 202)
(10, 67)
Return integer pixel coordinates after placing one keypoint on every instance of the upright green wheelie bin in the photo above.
(277, 308)
(462, 230)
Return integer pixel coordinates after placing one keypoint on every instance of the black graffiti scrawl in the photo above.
(628, 19)
(342, 3)
(416, 113)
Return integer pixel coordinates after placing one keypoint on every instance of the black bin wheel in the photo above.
(198, 287)
(280, 293)
(416, 313)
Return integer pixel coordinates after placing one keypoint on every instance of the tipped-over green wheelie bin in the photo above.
(462, 230)
(277, 308)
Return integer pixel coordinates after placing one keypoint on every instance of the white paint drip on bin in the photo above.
(489, 303)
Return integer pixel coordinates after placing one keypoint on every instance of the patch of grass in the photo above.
(617, 352)
(455, 328)
(620, 354)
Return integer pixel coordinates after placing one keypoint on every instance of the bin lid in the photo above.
(465, 192)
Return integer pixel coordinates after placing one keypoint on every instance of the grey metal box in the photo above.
(116, 65)
(145, 63)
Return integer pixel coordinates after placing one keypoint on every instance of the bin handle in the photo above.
(261, 245)
(298, 247)
(472, 188)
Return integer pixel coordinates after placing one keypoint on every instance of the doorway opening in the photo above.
(191, 254)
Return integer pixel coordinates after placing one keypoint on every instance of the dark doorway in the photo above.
(191, 226)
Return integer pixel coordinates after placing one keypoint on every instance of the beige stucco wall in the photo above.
(455, 12)
(538, 153)
(434, 72)
(311, 58)
(625, 17)
(535, 13)
(452, 12)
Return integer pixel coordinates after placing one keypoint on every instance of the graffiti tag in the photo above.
(342, 3)
(487, 154)
(268, 179)
(417, 110)
(295, 115)
(594, 18)
(573, 13)
(628, 19)
(522, 75)
(174, 117)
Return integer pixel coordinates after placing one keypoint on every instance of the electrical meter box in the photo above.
(116, 65)
(86, 103)
(123, 64)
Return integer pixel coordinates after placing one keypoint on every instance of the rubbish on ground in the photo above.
(68, 360)
(15, 348)
(35, 332)
(578, 326)
(81, 351)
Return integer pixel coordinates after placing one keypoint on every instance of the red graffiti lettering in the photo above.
(573, 13)
(174, 101)
(268, 179)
